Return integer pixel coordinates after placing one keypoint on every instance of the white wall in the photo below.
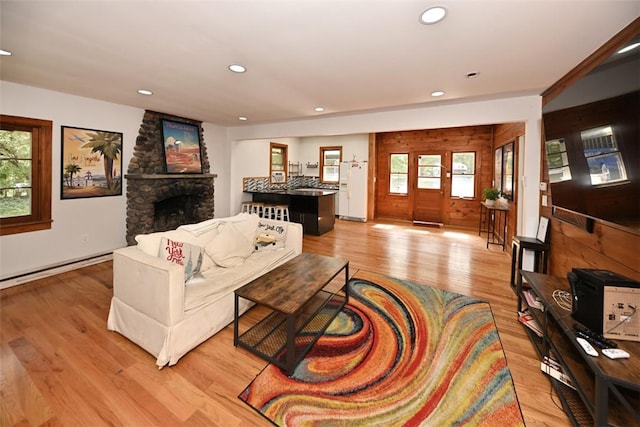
(250, 158)
(352, 145)
(102, 219)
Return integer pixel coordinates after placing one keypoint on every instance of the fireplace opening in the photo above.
(175, 211)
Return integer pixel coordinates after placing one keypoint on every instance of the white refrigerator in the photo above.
(352, 192)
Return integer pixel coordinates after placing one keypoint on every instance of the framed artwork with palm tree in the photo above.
(182, 147)
(91, 163)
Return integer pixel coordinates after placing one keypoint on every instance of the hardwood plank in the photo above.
(60, 366)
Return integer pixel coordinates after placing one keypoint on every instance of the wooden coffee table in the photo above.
(303, 307)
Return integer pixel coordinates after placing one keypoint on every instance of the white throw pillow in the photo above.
(188, 255)
(230, 247)
(270, 235)
(151, 243)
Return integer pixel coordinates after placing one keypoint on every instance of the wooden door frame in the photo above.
(413, 179)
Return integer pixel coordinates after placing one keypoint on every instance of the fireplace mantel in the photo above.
(170, 176)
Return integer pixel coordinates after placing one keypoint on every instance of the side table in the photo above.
(495, 217)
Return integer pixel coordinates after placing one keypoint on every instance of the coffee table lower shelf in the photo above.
(272, 339)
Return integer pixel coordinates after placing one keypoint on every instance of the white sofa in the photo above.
(159, 307)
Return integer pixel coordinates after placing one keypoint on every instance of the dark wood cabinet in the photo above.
(607, 392)
(315, 210)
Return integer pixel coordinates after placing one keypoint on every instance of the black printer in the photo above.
(588, 288)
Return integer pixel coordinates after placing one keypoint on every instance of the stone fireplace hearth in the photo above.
(157, 201)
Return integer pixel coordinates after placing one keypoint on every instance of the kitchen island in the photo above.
(311, 207)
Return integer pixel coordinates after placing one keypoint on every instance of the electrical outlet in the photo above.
(84, 238)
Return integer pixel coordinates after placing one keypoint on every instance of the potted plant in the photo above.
(490, 195)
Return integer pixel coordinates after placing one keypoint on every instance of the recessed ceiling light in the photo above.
(437, 93)
(318, 109)
(237, 68)
(628, 48)
(144, 92)
(5, 52)
(433, 15)
(472, 74)
(243, 118)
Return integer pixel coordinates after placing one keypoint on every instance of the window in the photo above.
(603, 158)
(463, 170)
(330, 158)
(277, 163)
(399, 174)
(429, 171)
(557, 160)
(25, 174)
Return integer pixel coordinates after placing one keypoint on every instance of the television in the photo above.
(592, 144)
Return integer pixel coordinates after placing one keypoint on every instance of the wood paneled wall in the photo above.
(457, 212)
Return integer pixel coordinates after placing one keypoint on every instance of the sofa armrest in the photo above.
(148, 284)
(294, 237)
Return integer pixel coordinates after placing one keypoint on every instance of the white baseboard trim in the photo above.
(53, 270)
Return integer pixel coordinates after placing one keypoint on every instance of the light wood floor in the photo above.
(60, 366)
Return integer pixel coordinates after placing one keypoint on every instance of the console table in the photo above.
(495, 219)
(607, 391)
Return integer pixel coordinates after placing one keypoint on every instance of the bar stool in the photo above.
(246, 207)
(282, 212)
(257, 208)
(268, 211)
(538, 244)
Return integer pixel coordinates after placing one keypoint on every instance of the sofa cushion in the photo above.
(188, 255)
(151, 243)
(270, 235)
(231, 246)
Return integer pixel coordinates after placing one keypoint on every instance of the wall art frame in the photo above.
(497, 168)
(91, 163)
(182, 147)
(507, 188)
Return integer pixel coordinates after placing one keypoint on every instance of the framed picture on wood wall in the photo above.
(497, 168)
(507, 171)
(91, 163)
(182, 147)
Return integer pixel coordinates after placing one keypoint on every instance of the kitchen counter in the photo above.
(314, 208)
(298, 192)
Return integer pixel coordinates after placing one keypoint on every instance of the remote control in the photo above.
(587, 347)
(593, 338)
(615, 353)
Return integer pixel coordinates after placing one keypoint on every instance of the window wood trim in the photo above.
(41, 170)
(285, 162)
(322, 150)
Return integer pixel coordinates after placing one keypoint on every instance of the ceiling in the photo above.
(346, 56)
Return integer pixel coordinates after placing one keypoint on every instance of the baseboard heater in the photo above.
(54, 269)
(429, 223)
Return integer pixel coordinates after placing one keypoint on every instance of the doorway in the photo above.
(428, 188)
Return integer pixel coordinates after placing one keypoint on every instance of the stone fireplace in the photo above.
(156, 200)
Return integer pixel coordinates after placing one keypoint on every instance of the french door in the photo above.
(428, 188)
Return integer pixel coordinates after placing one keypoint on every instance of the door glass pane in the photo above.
(429, 171)
(15, 173)
(429, 183)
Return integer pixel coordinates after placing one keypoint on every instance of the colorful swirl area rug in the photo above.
(399, 353)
